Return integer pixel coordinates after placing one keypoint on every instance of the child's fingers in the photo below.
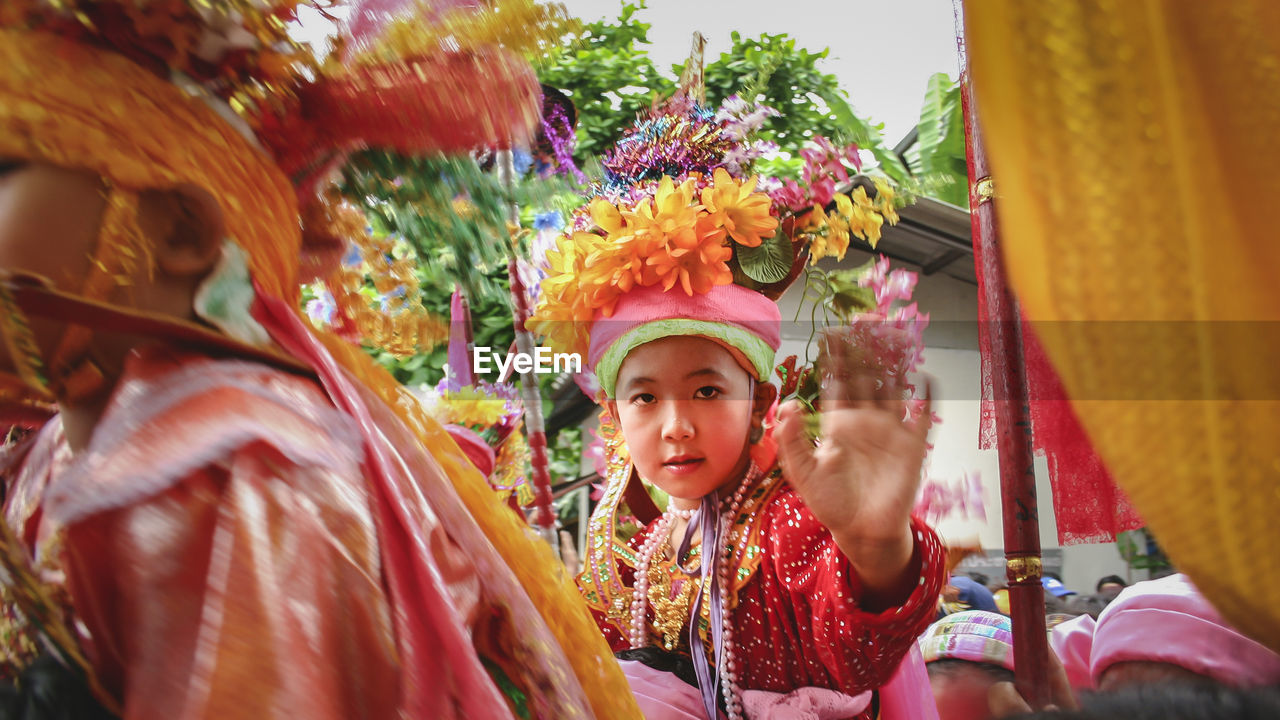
(846, 382)
(795, 451)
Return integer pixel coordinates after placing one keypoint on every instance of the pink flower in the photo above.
(595, 451)
(825, 160)
(791, 196)
(823, 191)
(898, 286)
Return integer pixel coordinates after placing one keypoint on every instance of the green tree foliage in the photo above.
(773, 71)
(938, 157)
(610, 77)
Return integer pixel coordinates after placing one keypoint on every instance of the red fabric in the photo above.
(1087, 505)
(474, 447)
(797, 622)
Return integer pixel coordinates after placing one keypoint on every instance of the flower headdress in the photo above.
(680, 213)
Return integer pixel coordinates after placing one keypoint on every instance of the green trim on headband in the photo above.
(756, 350)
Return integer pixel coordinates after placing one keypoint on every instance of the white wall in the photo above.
(951, 357)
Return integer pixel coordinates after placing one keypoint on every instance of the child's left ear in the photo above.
(186, 228)
(765, 395)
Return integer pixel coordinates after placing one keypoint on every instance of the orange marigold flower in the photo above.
(695, 257)
(670, 210)
(742, 212)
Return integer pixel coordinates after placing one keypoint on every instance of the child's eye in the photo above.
(706, 392)
(642, 399)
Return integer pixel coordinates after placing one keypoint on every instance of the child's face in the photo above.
(685, 408)
(49, 221)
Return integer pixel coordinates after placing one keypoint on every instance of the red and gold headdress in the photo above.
(214, 94)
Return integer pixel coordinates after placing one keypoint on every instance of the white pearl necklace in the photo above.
(728, 669)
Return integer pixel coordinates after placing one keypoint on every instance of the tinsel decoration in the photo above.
(679, 139)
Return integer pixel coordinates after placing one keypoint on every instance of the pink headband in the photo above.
(974, 635)
(1169, 621)
(734, 316)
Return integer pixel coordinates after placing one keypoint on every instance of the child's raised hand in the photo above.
(860, 480)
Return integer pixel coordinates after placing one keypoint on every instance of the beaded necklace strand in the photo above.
(728, 669)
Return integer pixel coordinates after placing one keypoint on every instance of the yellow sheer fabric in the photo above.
(1135, 148)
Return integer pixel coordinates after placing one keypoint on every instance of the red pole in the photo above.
(1002, 326)
(544, 518)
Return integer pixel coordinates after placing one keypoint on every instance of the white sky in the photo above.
(883, 51)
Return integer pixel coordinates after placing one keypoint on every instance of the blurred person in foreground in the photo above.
(1161, 631)
(231, 514)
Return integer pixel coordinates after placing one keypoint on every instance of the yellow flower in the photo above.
(743, 213)
(884, 200)
(695, 257)
(606, 217)
(564, 311)
(837, 236)
(670, 209)
(814, 225)
(844, 206)
(566, 262)
(562, 324)
(865, 220)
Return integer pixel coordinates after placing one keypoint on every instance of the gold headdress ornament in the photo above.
(142, 93)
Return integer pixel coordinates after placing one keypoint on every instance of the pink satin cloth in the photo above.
(474, 447)
(1165, 621)
(1072, 642)
(661, 695)
(908, 695)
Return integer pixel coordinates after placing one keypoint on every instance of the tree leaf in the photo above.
(864, 134)
(770, 262)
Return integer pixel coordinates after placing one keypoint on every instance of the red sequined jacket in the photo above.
(793, 597)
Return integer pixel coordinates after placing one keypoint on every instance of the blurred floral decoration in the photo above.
(493, 412)
(680, 207)
(958, 498)
(882, 324)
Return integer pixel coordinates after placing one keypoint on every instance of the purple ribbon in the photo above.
(709, 526)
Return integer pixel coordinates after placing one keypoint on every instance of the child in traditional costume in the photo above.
(233, 515)
(760, 585)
